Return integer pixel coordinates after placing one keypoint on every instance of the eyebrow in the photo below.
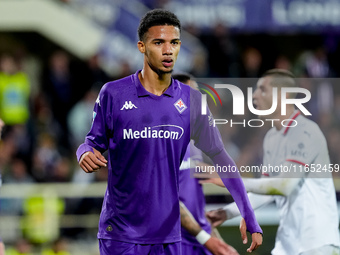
(162, 40)
(261, 86)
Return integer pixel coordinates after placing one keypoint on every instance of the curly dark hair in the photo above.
(157, 17)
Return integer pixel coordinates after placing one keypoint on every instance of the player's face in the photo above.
(161, 47)
(263, 95)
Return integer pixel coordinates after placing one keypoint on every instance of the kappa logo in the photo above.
(98, 100)
(128, 106)
(211, 119)
(180, 106)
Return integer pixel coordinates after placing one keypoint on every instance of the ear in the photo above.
(141, 46)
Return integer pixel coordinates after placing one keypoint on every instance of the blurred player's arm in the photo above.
(188, 221)
(214, 180)
(282, 185)
(217, 217)
(215, 233)
(213, 244)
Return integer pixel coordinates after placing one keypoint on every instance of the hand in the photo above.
(256, 237)
(217, 181)
(216, 217)
(218, 247)
(92, 162)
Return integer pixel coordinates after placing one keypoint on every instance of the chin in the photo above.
(164, 71)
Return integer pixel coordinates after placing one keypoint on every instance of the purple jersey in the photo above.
(146, 137)
(191, 193)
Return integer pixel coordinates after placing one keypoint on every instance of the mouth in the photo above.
(167, 62)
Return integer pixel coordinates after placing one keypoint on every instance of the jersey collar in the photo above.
(295, 114)
(141, 91)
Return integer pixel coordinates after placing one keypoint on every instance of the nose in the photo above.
(255, 95)
(167, 49)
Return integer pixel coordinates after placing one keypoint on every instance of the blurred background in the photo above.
(55, 55)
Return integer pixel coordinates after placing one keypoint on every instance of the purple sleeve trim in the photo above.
(233, 182)
(82, 149)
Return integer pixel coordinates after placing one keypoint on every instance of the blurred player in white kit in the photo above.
(309, 219)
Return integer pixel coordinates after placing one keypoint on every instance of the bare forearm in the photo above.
(215, 233)
(271, 186)
(188, 221)
(256, 201)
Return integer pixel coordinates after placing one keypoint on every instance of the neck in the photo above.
(154, 82)
(289, 111)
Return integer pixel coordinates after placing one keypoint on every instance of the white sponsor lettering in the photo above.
(154, 132)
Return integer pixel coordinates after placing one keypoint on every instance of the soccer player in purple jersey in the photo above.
(145, 122)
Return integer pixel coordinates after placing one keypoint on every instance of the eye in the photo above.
(157, 43)
(175, 43)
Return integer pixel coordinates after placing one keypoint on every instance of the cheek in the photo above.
(177, 51)
(150, 54)
(269, 100)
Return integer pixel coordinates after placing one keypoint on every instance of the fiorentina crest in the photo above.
(180, 106)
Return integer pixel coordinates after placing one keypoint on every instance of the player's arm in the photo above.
(217, 217)
(233, 182)
(282, 185)
(213, 244)
(91, 161)
(214, 180)
(215, 233)
(89, 153)
(188, 221)
(208, 139)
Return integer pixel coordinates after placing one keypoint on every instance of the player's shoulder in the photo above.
(119, 86)
(186, 91)
(306, 129)
(183, 88)
(306, 125)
